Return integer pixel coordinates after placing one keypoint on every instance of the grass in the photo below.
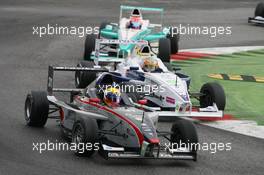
(245, 100)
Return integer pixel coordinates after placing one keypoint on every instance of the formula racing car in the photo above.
(121, 129)
(136, 23)
(171, 88)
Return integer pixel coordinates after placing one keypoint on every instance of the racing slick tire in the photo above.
(174, 41)
(84, 78)
(184, 134)
(66, 133)
(259, 11)
(212, 93)
(85, 132)
(89, 46)
(164, 49)
(36, 109)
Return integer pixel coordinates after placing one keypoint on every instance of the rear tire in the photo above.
(84, 78)
(174, 41)
(89, 46)
(213, 93)
(85, 132)
(259, 11)
(174, 45)
(184, 132)
(164, 49)
(36, 109)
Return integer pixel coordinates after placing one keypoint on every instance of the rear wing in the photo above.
(99, 55)
(52, 69)
(126, 7)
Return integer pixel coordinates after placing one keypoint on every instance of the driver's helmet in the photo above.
(150, 64)
(135, 20)
(112, 96)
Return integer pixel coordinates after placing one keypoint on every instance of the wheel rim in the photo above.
(78, 136)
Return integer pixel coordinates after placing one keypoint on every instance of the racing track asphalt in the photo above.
(23, 66)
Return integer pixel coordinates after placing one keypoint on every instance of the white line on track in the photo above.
(223, 50)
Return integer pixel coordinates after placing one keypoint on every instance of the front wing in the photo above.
(256, 20)
(216, 114)
(159, 153)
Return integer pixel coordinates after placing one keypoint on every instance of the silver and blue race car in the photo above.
(129, 130)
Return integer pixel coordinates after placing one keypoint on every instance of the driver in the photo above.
(148, 62)
(112, 96)
(150, 65)
(135, 21)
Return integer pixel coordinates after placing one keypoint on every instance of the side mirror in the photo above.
(94, 100)
(142, 102)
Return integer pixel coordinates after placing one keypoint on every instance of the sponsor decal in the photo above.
(170, 100)
(122, 41)
(122, 155)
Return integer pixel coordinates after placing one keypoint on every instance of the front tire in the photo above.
(89, 46)
(83, 133)
(184, 132)
(212, 93)
(36, 109)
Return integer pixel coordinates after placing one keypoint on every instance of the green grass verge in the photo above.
(245, 100)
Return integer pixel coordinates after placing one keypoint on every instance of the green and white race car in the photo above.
(136, 23)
